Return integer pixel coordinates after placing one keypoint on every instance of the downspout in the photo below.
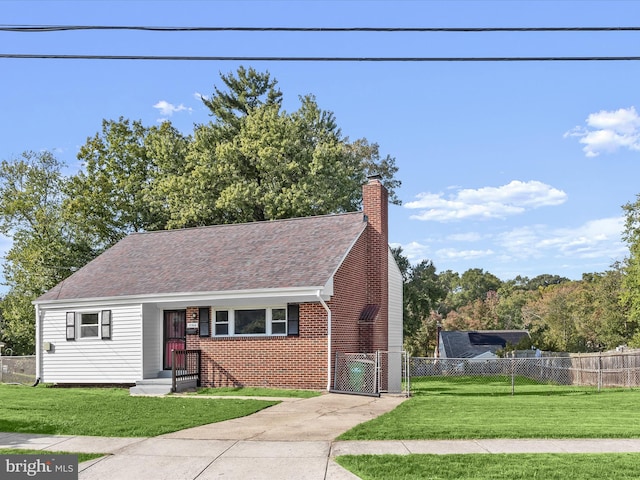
(38, 345)
(329, 357)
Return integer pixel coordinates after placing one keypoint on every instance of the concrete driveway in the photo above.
(318, 418)
(291, 440)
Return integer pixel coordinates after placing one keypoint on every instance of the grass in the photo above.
(467, 408)
(111, 412)
(82, 457)
(493, 466)
(258, 392)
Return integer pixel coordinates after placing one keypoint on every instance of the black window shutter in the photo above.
(204, 322)
(293, 319)
(71, 326)
(105, 323)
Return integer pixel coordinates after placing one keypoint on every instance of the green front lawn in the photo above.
(111, 412)
(445, 408)
(623, 466)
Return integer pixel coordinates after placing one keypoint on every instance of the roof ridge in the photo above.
(258, 222)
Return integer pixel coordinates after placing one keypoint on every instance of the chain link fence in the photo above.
(585, 370)
(372, 373)
(20, 370)
(356, 373)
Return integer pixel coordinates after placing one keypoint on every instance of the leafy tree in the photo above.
(553, 318)
(631, 282)
(254, 161)
(450, 283)
(474, 284)
(545, 280)
(423, 294)
(422, 342)
(513, 295)
(114, 194)
(480, 314)
(45, 249)
(604, 320)
(245, 91)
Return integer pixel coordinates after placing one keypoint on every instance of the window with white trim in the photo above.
(89, 325)
(222, 323)
(250, 321)
(279, 321)
(97, 324)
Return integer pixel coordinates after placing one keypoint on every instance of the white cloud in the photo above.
(167, 109)
(454, 254)
(465, 237)
(607, 132)
(594, 239)
(592, 246)
(415, 251)
(487, 202)
(200, 96)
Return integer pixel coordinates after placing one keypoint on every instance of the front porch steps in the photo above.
(152, 386)
(161, 385)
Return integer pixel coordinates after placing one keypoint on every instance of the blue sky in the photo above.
(518, 168)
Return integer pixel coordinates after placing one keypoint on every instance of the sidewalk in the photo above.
(292, 440)
(188, 459)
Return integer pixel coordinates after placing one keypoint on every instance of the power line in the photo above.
(314, 59)
(60, 28)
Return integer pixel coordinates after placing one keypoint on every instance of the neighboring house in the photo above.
(481, 344)
(271, 302)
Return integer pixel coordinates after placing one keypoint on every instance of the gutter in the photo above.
(322, 302)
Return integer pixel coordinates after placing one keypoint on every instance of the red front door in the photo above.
(174, 334)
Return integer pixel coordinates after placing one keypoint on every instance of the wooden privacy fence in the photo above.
(606, 370)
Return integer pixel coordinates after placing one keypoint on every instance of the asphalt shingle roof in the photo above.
(302, 252)
(465, 344)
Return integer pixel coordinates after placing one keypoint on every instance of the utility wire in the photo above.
(59, 28)
(315, 59)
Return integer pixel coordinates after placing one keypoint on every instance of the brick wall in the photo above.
(301, 361)
(283, 362)
(349, 335)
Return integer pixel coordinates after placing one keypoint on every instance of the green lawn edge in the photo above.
(618, 466)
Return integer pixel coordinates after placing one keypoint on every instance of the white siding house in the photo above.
(395, 325)
(76, 354)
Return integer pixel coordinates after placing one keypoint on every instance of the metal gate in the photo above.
(371, 373)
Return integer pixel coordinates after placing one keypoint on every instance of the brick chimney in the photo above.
(375, 206)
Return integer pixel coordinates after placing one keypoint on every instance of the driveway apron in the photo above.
(291, 440)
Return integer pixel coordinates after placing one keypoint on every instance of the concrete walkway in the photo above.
(292, 440)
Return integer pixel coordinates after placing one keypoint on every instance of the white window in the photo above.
(251, 321)
(222, 323)
(89, 325)
(279, 321)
